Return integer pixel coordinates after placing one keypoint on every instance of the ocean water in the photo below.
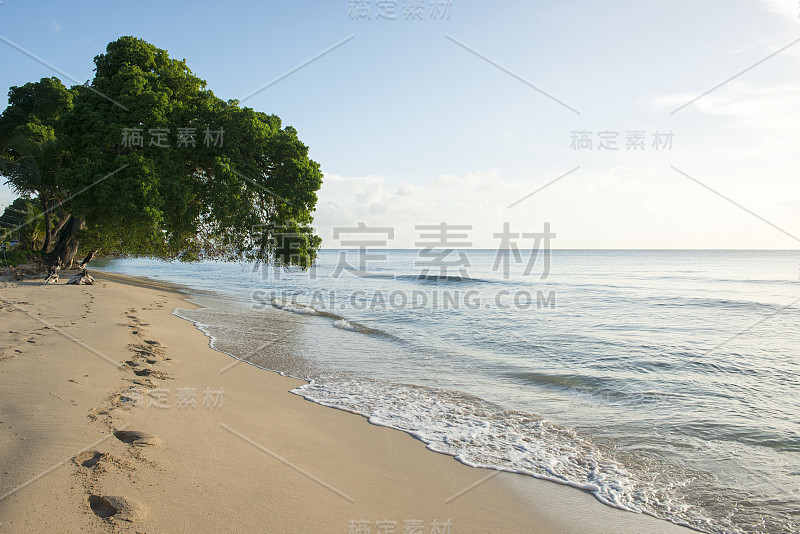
(663, 382)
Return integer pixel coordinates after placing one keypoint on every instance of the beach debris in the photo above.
(52, 277)
(87, 259)
(82, 278)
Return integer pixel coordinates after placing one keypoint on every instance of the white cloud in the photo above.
(580, 204)
(784, 8)
(475, 198)
(773, 108)
(647, 206)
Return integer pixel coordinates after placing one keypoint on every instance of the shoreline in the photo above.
(317, 462)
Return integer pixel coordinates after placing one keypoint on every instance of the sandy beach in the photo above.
(117, 416)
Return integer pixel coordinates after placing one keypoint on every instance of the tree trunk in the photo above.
(48, 231)
(63, 220)
(69, 257)
(67, 246)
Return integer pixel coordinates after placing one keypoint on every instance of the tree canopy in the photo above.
(145, 160)
(19, 212)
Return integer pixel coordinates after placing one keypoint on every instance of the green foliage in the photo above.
(34, 104)
(249, 197)
(13, 216)
(22, 221)
(12, 258)
(31, 166)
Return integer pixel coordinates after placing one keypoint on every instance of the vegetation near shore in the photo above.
(144, 160)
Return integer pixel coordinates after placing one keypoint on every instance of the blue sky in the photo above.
(411, 127)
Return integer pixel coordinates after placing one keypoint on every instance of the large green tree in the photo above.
(31, 156)
(150, 162)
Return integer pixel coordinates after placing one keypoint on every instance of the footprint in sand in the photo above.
(102, 507)
(102, 416)
(152, 350)
(116, 507)
(88, 458)
(140, 368)
(152, 372)
(97, 461)
(134, 437)
(126, 398)
(94, 413)
(144, 382)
